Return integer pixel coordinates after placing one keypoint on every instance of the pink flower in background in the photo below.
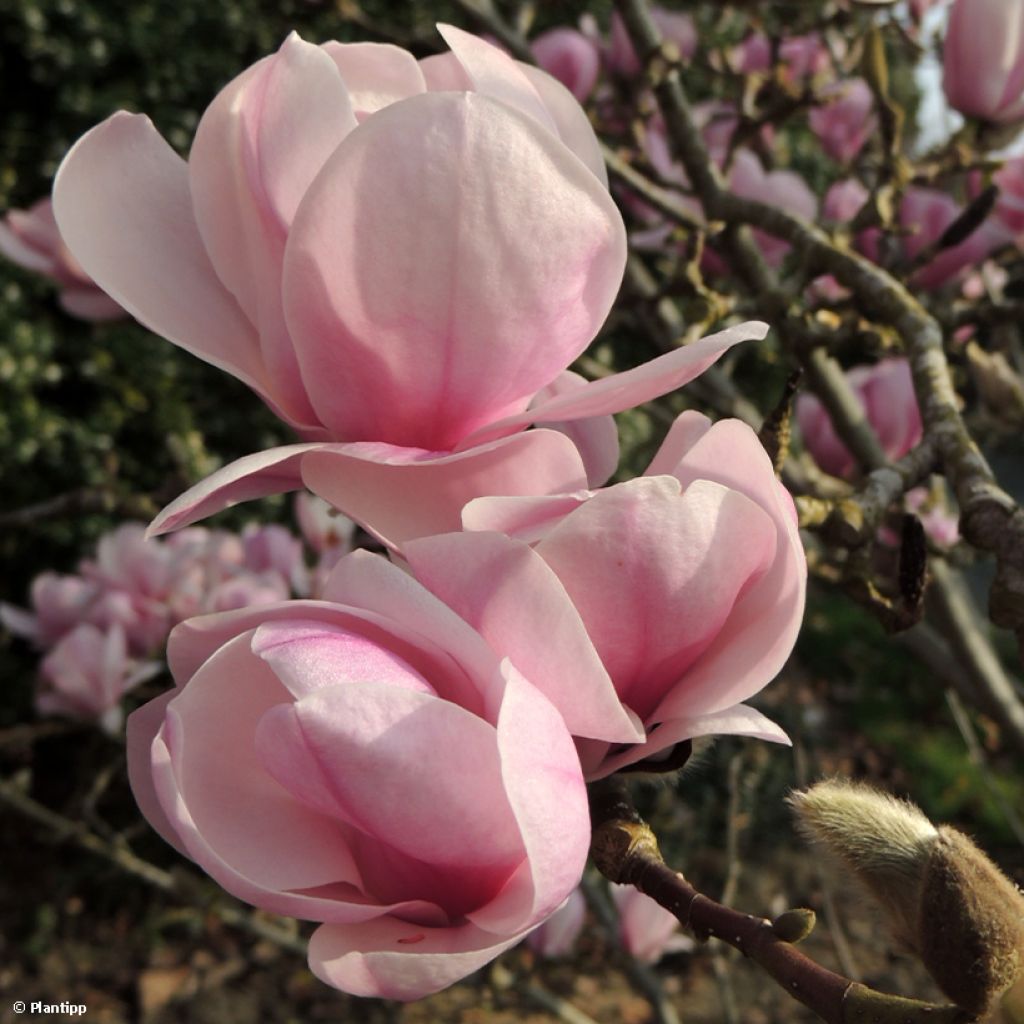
(800, 56)
(558, 934)
(398, 256)
(31, 239)
(676, 28)
(647, 930)
(571, 57)
(327, 533)
(87, 673)
(925, 214)
(59, 603)
(845, 121)
(983, 72)
(785, 189)
(369, 762)
(688, 582)
(274, 549)
(1009, 210)
(886, 393)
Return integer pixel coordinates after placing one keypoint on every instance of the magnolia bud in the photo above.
(945, 899)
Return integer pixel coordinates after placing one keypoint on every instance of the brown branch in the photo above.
(626, 851)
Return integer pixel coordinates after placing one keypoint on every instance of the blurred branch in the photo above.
(179, 884)
(88, 499)
(626, 851)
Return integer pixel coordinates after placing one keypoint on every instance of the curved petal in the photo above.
(122, 201)
(596, 438)
(418, 337)
(399, 495)
(527, 519)
(253, 476)
(376, 585)
(740, 720)
(686, 430)
(141, 731)
(443, 73)
(258, 147)
(632, 387)
(235, 821)
(90, 304)
(392, 959)
(508, 594)
(656, 575)
(571, 122)
(495, 74)
(376, 74)
(762, 628)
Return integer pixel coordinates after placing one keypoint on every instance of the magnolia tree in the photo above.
(403, 256)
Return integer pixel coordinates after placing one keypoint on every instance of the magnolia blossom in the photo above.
(31, 239)
(400, 257)
(87, 673)
(647, 930)
(569, 56)
(663, 603)
(983, 72)
(369, 762)
(782, 188)
(844, 122)
(886, 393)
(558, 934)
(675, 27)
(799, 57)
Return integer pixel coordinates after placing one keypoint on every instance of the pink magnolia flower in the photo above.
(31, 239)
(558, 934)
(983, 73)
(800, 56)
(663, 602)
(675, 28)
(270, 548)
(886, 393)
(1009, 208)
(785, 189)
(398, 256)
(925, 214)
(647, 930)
(87, 673)
(328, 533)
(569, 56)
(369, 762)
(59, 603)
(844, 123)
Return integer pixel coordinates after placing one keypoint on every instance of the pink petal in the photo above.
(596, 438)
(687, 429)
(381, 589)
(418, 337)
(373, 742)
(739, 720)
(142, 728)
(569, 57)
(122, 201)
(236, 822)
(392, 959)
(309, 656)
(545, 787)
(655, 576)
(527, 519)
(443, 73)
(257, 149)
(763, 625)
(632, 387)
(253, 476)
(504, 590)
(399, 495)
(90, 304)
(495, 74)
(376, 74)
(571, 122)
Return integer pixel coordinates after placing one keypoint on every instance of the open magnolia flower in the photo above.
(665, 601)
(369, 762)
(401, 258)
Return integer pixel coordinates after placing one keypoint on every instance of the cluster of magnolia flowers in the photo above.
(104, 628)
(402, 258)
